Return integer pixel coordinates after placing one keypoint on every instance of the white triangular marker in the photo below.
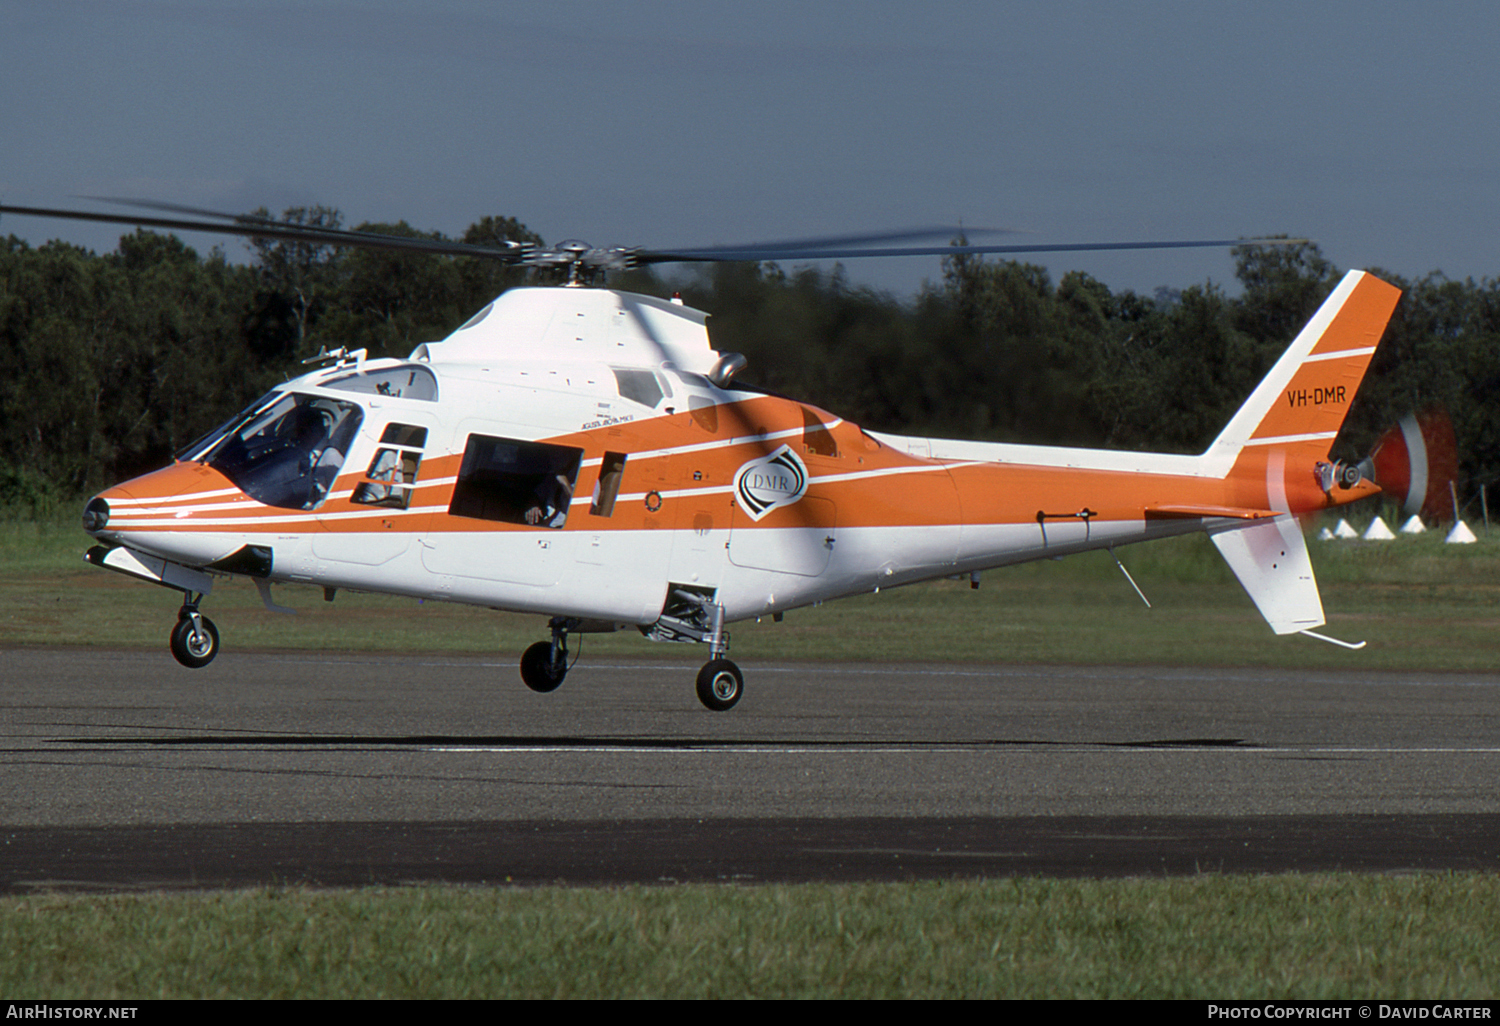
(1461, 535)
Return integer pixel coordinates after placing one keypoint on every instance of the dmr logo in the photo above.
(772, 481)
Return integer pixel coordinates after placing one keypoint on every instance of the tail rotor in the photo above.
(1415, 461)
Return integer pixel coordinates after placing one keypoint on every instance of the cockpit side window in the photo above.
(288, 454)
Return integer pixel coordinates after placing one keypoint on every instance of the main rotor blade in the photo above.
(178, 208)
(843, 247)
(355, 236)
(727, 254)
(256, 228)
(947, 232)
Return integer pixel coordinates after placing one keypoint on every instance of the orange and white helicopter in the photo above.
(588, 455)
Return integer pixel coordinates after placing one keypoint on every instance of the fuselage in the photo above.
(569, 452)
(768, 502)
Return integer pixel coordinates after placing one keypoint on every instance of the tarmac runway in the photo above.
(122, 770)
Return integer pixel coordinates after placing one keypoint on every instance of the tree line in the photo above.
(116, 361)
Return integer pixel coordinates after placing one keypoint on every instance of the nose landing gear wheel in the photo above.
(195, 646)
(720, 684)
(539, 671)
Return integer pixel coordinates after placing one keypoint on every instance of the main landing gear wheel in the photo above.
(538, 669)
(195, 641)
(720, 684)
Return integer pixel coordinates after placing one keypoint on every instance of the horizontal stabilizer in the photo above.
(1181, 512)
(1270, 560)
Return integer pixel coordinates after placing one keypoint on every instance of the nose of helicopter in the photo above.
(153, 504)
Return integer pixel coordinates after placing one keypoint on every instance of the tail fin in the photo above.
(1275, 442)
(1302, 402)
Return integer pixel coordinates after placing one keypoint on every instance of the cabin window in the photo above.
(392, 476)
(515, 482)
(607, 488)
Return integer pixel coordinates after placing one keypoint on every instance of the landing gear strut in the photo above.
(195, 639)
(545, 664)
(720, 682)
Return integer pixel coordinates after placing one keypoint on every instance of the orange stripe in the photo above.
(864, 485)
(1363, 318)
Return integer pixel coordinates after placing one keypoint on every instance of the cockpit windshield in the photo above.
(287, 454)
(204, 443)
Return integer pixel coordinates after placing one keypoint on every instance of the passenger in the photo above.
(550, 505)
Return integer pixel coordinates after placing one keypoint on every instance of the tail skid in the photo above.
(1271, 562)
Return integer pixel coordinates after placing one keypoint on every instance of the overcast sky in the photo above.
(1370, 127)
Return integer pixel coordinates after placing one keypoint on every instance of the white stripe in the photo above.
(301, 515)
(860, 475)
(683, 493)
(1288, 439)
(1416, 457)
(181, 507)
(1340, 354)
(191, 497)
(682, 450)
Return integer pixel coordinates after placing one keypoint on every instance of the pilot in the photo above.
(309, 432)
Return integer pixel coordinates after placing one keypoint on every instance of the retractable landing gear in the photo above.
(545, 664)
(720, 682)
(195, 639)
(691, 615)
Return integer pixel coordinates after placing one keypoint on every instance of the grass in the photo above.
(1284, 937)
(1420, 603)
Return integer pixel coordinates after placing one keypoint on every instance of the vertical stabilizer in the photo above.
(1302, 402)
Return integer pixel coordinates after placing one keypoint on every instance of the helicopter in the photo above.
(587, 454)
